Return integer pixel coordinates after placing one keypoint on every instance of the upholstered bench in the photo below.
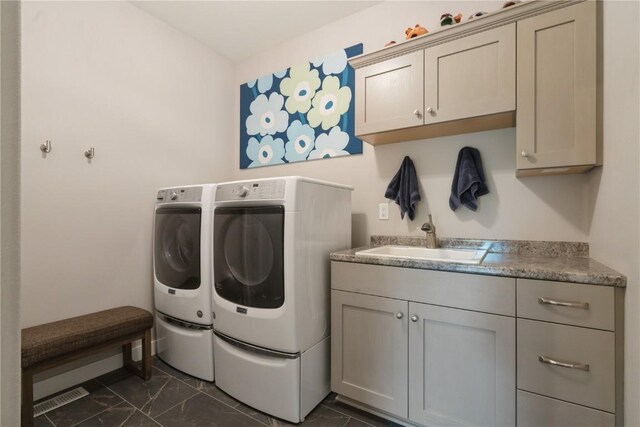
(53, 344)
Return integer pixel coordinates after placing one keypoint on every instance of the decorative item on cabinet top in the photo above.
(305, 112)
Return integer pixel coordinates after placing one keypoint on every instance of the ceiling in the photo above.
(239, 29)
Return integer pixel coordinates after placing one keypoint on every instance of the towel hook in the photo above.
(90, 153)
(46, 147)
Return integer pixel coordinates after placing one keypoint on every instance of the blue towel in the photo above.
(403, 188)
(468, 181)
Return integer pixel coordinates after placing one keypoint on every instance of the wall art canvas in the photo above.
(305, 112)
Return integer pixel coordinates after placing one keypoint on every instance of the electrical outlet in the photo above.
(383, 211)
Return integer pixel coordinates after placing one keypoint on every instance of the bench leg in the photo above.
(146, 355)
(144, 371)
(27, 398)
(126, 355)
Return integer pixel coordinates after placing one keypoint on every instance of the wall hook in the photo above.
(90, 153)
(46, 147)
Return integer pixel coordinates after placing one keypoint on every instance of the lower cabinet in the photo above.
(430, 364)
(436, 348)
(369, 348)
(462, 367)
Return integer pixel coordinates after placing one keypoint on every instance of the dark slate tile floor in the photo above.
(174, 399)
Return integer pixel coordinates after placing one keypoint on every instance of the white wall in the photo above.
(154, 104)
(9, 213)
(547, 208)
(614, 191)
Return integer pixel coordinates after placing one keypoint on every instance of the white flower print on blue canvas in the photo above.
(300, 143)
(267, 151)
(334, 63)
(300, 88)
(267, 117)
(302, 113)
(329, 104)
(265, 83)
(330, 145)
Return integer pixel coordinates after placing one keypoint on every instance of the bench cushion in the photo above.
(53, 339)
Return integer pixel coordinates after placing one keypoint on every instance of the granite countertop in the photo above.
(559, 261)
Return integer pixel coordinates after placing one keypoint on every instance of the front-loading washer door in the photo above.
(176, 247)
(249, 255)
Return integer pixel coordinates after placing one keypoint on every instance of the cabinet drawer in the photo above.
(594, 387)
(588, 305)
(535, 411)
(458, 290)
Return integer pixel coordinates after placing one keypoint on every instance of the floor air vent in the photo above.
(58, 401)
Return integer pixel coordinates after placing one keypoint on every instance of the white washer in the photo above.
(182, 253)
(272, 239)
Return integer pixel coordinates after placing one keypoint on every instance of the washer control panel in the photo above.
(272, 189)
(179, 195)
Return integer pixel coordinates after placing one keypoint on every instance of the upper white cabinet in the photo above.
(472, 76)
(389, 94)
(556, 111)
(532, 65)
(436, 87)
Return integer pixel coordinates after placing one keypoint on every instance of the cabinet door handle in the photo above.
(399, 315)
(572, 304)
(524, 153)
(416, 113)
(414, 318)
(430, 111)
(563, 364)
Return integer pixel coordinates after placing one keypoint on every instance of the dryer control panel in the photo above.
(179, 195)
(272, 189)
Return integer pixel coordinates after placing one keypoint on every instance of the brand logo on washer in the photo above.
(241, 310)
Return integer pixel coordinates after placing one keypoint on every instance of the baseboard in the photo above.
(374, 411)
(69, 375)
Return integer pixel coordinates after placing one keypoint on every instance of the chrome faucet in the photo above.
(430, 229)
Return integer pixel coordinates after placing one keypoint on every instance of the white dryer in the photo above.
(182, 253)
(272, 240)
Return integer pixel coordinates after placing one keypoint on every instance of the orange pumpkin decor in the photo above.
(415, 31)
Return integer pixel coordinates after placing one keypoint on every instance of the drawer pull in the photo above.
(572, 304)
(570, 365)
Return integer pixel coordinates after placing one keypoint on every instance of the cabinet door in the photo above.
(461, 367)
(472, 76)
(389, 95)
(369, 350)
(556, 115)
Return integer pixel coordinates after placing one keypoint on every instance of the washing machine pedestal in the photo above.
(185, 347)
(284, 386)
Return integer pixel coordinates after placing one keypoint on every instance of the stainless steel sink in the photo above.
(463, 256)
